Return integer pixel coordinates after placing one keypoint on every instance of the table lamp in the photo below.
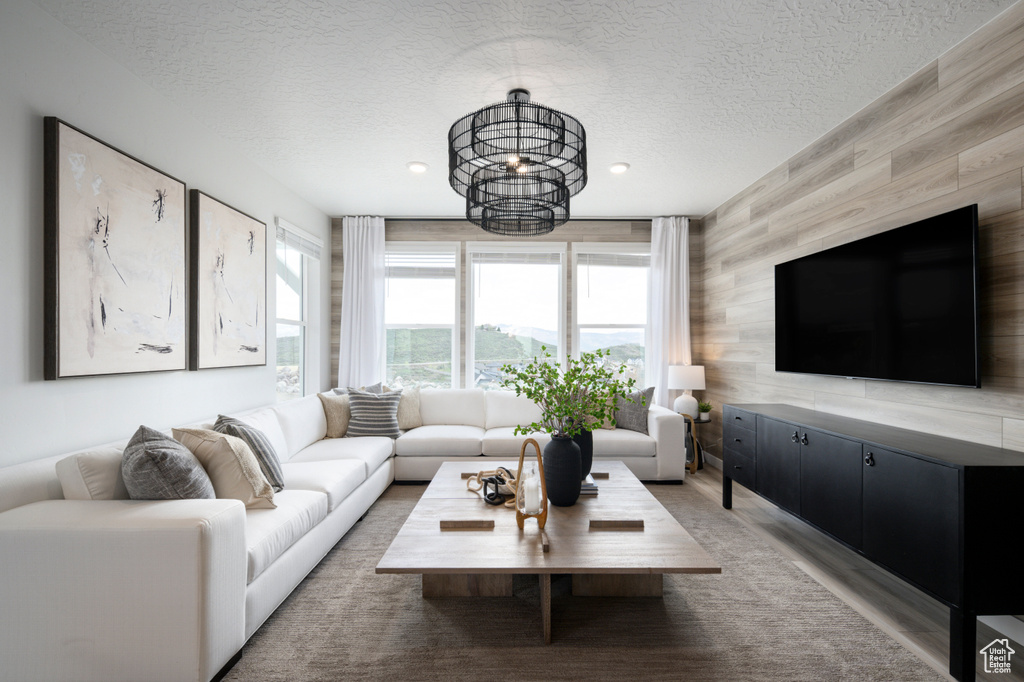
(687, 378)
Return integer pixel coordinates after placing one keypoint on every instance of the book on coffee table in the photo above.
(588, 486)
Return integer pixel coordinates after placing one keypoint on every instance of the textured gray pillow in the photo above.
(260, 445)
(373, 414)
(375, 388)
(157, 467)
(633, 416)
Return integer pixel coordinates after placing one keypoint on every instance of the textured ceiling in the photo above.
(701, 97)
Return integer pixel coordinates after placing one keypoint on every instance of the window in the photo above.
(298, 264)
(421, 314)
(516, 306)
(610, 302)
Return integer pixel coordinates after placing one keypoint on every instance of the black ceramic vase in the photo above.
(562, 471)
(585, 439)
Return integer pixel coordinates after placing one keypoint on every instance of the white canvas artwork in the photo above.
(117, 230)
(230, 286)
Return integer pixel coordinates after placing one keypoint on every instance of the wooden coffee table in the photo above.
(602, 562)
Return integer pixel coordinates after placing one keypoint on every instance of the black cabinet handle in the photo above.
(736, 466)
(795, 437)
(870, 459)
(803, 439)
(738, 417)
(737, 440)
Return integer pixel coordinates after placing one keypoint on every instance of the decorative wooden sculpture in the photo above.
(531, 492)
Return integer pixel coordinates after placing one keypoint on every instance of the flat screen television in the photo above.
(898, 306)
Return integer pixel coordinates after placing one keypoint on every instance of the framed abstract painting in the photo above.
(229, 286)
(114, 235)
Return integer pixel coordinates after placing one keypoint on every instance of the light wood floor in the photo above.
(917, 621)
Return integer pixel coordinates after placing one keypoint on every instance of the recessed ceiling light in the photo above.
(619, 168)
(417, 166)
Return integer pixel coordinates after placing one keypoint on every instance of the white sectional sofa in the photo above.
(96, 586)
(463, 424)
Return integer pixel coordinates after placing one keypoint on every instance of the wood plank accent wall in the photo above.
(463, 231)
(949, 136)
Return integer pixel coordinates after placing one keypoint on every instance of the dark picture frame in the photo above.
(228, 285)
(115, 274)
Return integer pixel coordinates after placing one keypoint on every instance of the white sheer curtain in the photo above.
(362, 301)
(670, 302)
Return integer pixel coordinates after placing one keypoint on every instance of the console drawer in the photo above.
(737, 417)
(739, 468)
(741, 441)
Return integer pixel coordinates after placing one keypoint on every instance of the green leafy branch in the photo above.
(581, 398)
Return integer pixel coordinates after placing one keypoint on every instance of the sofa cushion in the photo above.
(464, 406)
(623, 443)
(93, 475)
(266, 421)
(501, 441)
(505, 408)
(260, 446)
(453, 440)
(270, 532)
(302, 422)
(371, 450)
(157, 467)
(338, 413)
(336, 478)
(233, 468)
(633, 416)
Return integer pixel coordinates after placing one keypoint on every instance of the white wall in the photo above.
(46, 70)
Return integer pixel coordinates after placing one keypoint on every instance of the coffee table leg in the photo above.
(545, 605)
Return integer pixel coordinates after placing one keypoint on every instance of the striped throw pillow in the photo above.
(373, 414)
(260, 445)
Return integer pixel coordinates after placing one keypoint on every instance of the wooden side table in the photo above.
(693, 438)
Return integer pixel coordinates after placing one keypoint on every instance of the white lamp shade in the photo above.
(686, 377)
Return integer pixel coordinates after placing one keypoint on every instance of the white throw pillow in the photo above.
(231, 465)
(93, 475)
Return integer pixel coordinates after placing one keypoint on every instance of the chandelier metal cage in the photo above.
(517, 163)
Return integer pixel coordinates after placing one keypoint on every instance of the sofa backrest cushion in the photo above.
(265, 420)
(93, 475)
(505, 408)
(303, 423)
(454, 406)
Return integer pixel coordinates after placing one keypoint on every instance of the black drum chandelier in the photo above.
(517, 163)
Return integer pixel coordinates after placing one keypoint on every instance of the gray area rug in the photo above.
(762, 618)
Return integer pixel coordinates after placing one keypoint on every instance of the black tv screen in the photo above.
(898, 306)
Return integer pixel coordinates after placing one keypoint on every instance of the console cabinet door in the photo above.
(830, 484)
(911, 519)
(778, 463)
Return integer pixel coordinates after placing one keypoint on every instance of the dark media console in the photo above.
(941, 514)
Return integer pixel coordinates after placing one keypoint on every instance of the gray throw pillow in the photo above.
(260, 445)
(373, 414)
(375, 388)
(633, 416)
(157, 467)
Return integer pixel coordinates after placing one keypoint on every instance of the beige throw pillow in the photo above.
(408, 408)
(231, 465)
(338, 413)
